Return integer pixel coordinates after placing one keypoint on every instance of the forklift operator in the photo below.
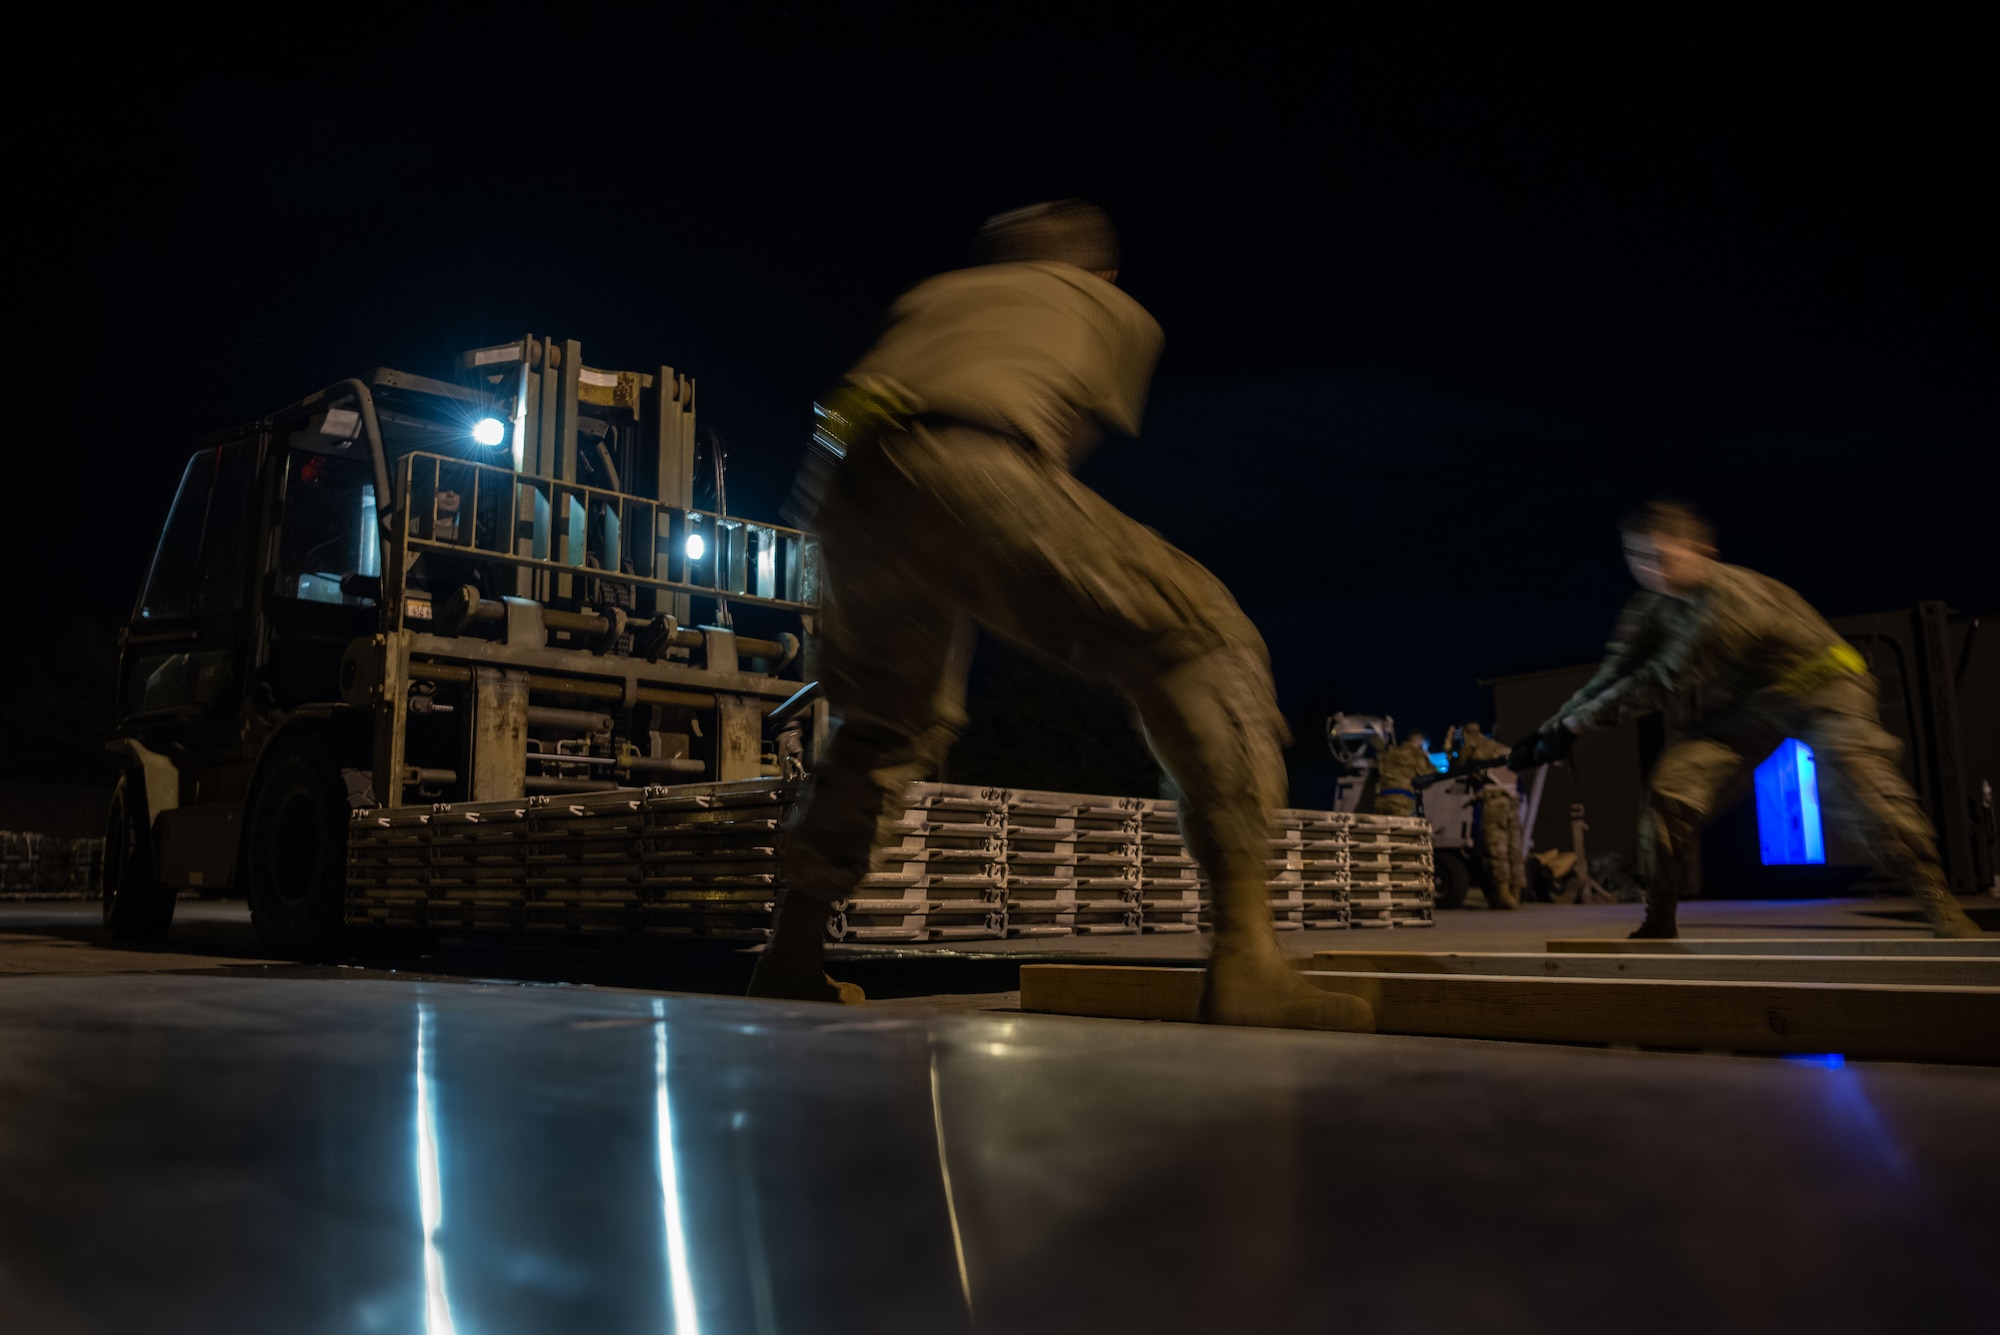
(438, 573)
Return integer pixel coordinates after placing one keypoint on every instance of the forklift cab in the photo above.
(270, 560)
(268, 565)
(182, 641)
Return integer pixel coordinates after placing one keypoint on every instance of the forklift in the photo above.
(1449, 804)
(403, 592)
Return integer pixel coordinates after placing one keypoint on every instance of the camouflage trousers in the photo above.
(930, 532)
(1500, 847)
(1868, 793)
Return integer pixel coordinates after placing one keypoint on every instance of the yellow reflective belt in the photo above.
(849, 416)
(1839, 659)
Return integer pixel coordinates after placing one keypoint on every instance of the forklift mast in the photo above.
(601, 593)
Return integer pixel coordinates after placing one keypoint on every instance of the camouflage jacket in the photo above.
(1743, 639)
(1497, 782)
(1400, 764)
(1043, 351)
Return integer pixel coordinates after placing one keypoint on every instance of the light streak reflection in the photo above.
(1846, 1099)
(680, 1284)
(950, 1201)
(430, 1195)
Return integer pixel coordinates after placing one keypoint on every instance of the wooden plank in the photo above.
(1861, 1020)
(1893, 970)
(1915, 945)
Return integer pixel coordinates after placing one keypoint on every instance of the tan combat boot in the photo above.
(1662, 921)
(793, 965)
(1947, 919)
(1249, 983)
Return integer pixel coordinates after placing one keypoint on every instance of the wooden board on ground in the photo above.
(1789, 945)
(1894, 970)
(1861, 1020)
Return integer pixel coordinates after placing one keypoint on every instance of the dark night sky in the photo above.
(1439, 303)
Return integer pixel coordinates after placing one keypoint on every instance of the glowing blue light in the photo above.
(1789, 832)
(680, 1280)
(489, 431)
(696, 548)
(1832, 1061)
(1441, 760)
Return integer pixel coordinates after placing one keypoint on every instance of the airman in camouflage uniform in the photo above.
(1761, 666)
(1396, 770)
(953, 506)
(1499, 822)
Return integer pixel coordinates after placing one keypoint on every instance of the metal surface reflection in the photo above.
(430, 1198)
(612, 1162)
(950, 1200)
(680, 1284)
(756, 1255)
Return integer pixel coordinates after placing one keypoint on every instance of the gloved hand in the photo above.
(1556, 744)
(1544, 748)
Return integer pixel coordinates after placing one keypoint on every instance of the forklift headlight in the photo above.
(489, 431)
(696, 548)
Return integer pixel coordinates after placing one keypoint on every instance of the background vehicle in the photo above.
(403, 591)
(1355, 739)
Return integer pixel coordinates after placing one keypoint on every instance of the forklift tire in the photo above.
(1454, 880)
(295, 852)
(136, 906)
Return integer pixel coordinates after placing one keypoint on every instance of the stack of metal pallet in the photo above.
(42, 866)
(1108, 897)
(1072, 864)
(963, 863)
(386, 853)
(693, 860)
(24, 863)
(1306, 864)
(86, 868)
(712, 855)
(1311, 889)
(941, 878)
(471, 859)
(1175, 896)
(1391, 871)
